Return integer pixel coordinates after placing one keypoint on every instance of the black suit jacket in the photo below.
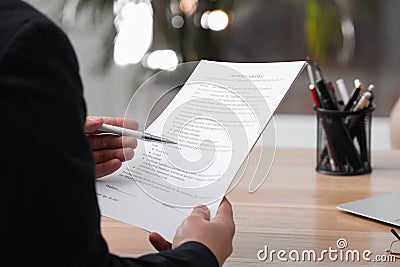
(49, 211)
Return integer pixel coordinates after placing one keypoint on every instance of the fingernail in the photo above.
(202, 207)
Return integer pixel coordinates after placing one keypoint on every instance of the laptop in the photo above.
(384, 208)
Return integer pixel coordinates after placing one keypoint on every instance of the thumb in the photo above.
(201, 211)
(159, 242)
(92, 124)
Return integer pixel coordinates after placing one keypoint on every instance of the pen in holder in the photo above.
(344, 141)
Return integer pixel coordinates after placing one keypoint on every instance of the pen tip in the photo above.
(168, 141)
(371, 87)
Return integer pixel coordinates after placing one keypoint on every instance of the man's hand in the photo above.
(110, 150)
(216, 234)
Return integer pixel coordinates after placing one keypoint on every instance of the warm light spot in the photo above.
(135, 32)
(204, 20)
(162, 59)
(217, 20)
(188, 6)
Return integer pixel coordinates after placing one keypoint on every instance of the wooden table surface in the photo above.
(294, 210)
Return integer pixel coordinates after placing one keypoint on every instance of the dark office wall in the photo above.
(275, 30)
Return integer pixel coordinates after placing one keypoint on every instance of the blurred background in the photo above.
(121, 43)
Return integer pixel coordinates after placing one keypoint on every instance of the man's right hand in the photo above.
(216, 234)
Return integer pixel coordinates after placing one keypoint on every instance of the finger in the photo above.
(121, 122)
(121, 154)
(92, 124)
(129, 141)
(107, 167)
(225, 212)
(159, 242)
(201, 211)
(109, 141)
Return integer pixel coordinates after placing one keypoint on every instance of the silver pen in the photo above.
(139, 135)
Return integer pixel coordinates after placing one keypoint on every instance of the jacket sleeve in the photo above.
(50, 204)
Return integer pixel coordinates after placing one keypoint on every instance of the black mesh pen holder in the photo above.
(344, 141)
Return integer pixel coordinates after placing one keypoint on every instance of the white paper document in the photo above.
(216, 118)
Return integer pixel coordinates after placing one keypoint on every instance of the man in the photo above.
(49, 209)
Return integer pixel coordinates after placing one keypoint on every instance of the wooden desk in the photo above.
(295, 209)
